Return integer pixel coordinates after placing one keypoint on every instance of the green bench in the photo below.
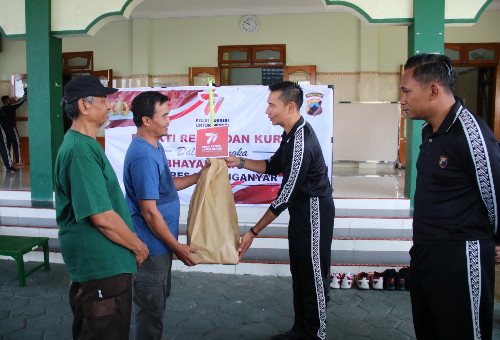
(17, 246)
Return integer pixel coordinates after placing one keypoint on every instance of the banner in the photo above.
(212, 142)
(251, 134)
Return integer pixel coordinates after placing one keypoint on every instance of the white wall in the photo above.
(366, 132)
(12, 58)
(332, 41)
(112, 47)
(338, 43)
(487, 29)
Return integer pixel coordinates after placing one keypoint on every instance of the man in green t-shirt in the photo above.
(98, 244)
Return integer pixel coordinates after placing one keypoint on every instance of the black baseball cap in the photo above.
(85, 86)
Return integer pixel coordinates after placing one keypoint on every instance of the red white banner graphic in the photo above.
(212, 142)
(241, 111)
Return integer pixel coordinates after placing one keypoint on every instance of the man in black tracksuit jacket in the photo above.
(455, 220)
(307, 193)
(9, 133)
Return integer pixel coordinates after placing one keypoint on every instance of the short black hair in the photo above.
(4, 98)
(432, 67)
(144, 105)
(71, 109)
(291, 92)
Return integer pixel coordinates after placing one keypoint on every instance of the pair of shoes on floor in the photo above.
(11, 169)
(390, 279)
(365, 280)
(396, 280)
(342, 281)
(362, 280)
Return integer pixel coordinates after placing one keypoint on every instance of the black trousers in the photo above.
(310, 239)
(13, 141)
(451, 288)
(4, 150)
(102, 308)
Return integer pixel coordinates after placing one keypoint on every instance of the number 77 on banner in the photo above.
(212, 141)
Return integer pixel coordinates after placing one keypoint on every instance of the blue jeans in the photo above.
(151, 288)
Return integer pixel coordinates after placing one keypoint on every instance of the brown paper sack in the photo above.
(212, 220)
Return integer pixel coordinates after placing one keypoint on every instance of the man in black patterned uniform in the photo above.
(8, 124)
(455, 220)
(9, 134)
(307, 193)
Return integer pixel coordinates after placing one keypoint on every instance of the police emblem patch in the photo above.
(314, 101)
(443, 162)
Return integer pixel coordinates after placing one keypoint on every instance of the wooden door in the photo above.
(300, 73)
(104, 75)
(199, 75)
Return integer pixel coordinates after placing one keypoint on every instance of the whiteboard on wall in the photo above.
(366, 132)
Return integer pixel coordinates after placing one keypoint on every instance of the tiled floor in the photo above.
(368, 182)
(18, 180)
(348, 182)
(208, 306)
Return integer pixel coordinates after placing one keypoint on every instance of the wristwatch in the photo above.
(242, 163)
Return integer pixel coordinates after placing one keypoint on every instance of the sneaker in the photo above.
(335, 280)
(346, 281)
(402, 282)
(377, 280)
(362, 280)
(390, 279)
